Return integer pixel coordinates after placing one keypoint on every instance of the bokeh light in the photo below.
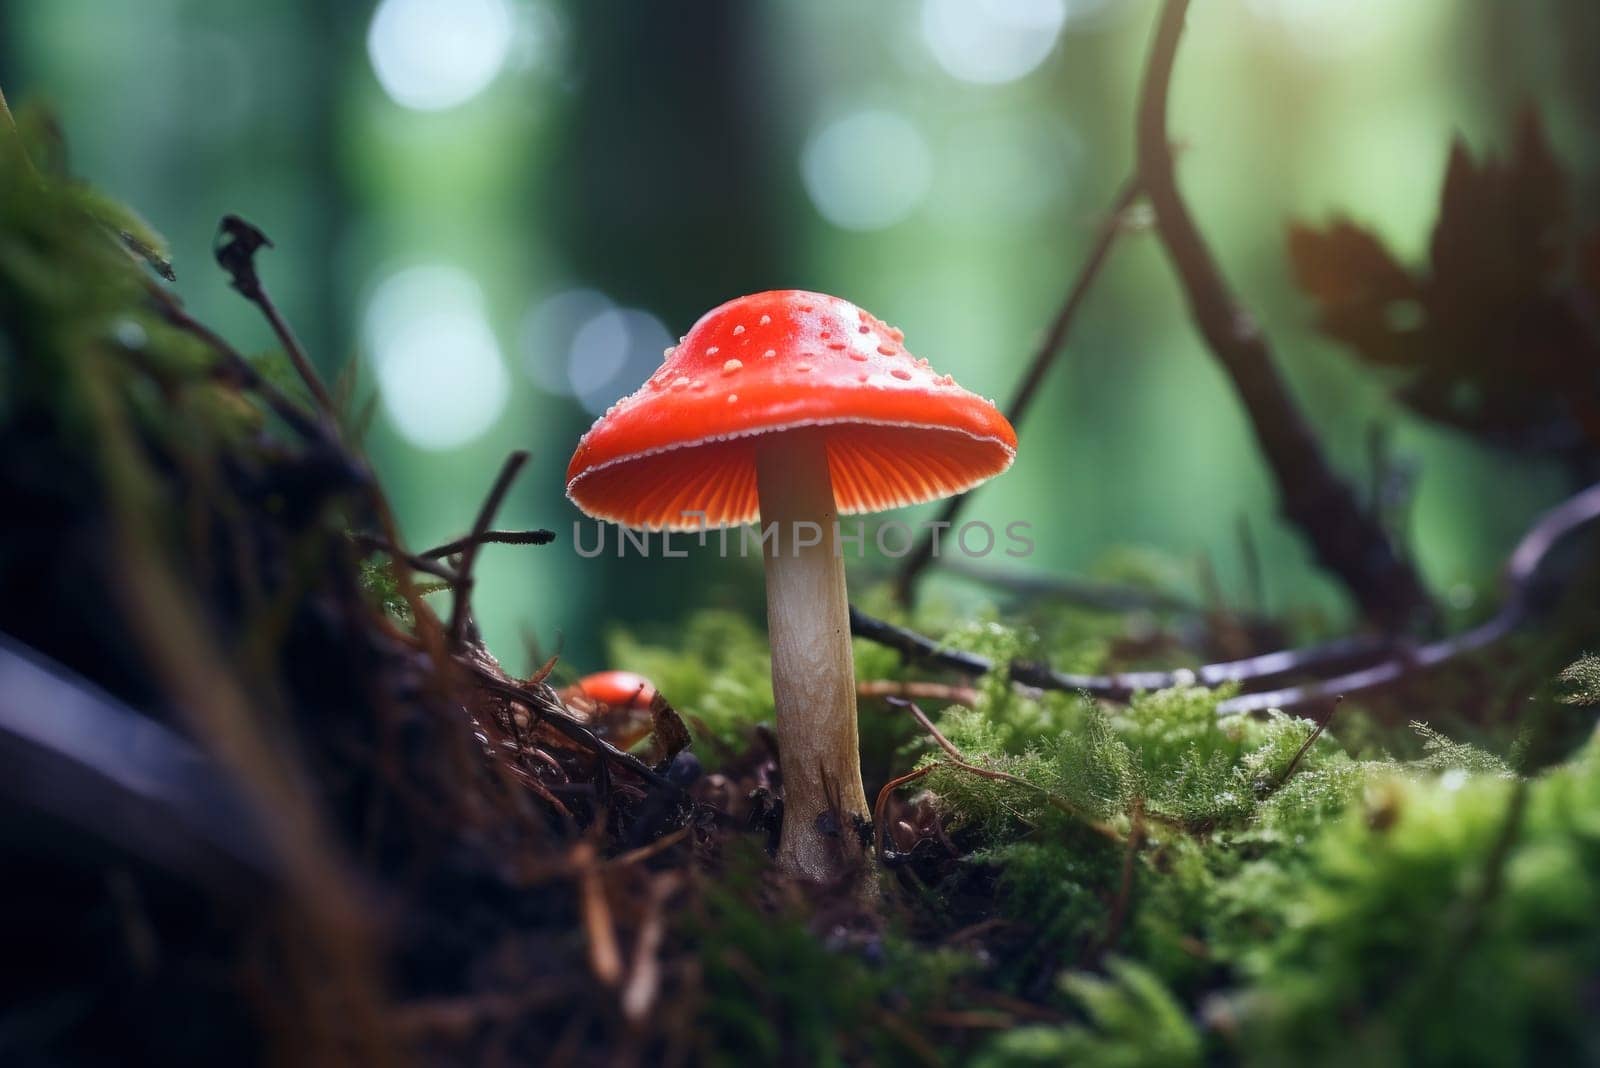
(612, 353)
(436, 54)
(578, 343)
(867, 170)
(991, 42)
(440, 373)
(544, 341)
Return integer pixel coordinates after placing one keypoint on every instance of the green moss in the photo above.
(1438, 923)
(1580, 682)
(1131, 1021)
(776, 993)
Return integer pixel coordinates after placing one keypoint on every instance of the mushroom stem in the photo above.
(813, 674)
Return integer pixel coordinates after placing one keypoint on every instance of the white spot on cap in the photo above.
(765, 319)
(712, 351)
(681, 382)
(739, 329)
(733, 398)
(731, 366)
(769, 354)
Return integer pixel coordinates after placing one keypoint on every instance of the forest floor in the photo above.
(337, 832)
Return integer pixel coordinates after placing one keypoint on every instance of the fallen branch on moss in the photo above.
(1525, 581)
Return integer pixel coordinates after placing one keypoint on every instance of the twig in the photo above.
(926, 691)
(644, 980)
(918, 648)
(605, 958)
(1525, 596)
(889, 788)
(235, 365)
(1523, 581)
(959, 761)
(1049, 349)
(491, 537)
(8, 128)
(236, 255)
(550, 712)
(416, 562)
(1311, 740)
(474, 541)
(1347, 540)
(1250, 555)
(237, 244)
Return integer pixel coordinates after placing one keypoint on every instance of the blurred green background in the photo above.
(502, 211)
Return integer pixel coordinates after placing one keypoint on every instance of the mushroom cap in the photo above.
(619, 689)
(777, 363)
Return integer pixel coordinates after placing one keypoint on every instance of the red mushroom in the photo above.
(794, 408)
(619, 689)
(616, 704)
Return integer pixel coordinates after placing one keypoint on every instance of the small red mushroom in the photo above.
(616, 704)
(618, 689)
(794, 408)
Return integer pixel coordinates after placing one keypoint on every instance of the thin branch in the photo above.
(491, 537)
(416, 562)
(1311, 740)
(236, 255)
(882, 803)
(474, 541)
(958, 761)
(1050, 347)
(237, 367)
(605, 956)
(237, 244)
(922, 691)
(552, 713)
(1526, 593)
(1347, 541)
(921, 649)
